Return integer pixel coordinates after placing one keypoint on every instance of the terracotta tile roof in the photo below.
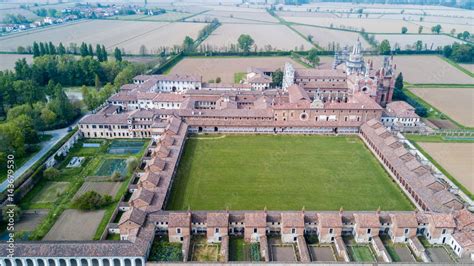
(464, 219)
(143, 195)
(292, 219)
(218, 219)
(150, 177)
(400, 109)
(442, 220)
(320, 73)
(169, 97)
(404, 220)
(465, 239)
(133, 215)
(255, 219)
(297, 94)
(330, 219)
(182, 219)
(367, 220)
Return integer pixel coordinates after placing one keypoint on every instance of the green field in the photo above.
(282, 173)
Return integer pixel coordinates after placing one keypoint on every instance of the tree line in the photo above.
(48, 48)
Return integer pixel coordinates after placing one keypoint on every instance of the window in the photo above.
(331, 230)
(293, 230)
(217, 230)
(369, 230)
(178, 230)
(444, 231)
(406, 231)
(255, 230)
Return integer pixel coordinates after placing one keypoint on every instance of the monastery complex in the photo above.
(351, 98)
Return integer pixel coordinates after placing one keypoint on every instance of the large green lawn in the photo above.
(282, 173)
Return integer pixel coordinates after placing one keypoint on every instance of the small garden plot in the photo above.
(30, 219)
(361, 253)
(75, 225)
(203, 251)
(163, 250)
(239, 250)
(284, 253)
(109, 166)
(439, 255)
(50, 192)
(404, 253)
(103, 188)
(125, 147)
(321, 253)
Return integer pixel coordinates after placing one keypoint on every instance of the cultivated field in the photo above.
(17, 11)
(404, 41)
(7, 61)
(469, 67)
(426, 69)
(372, 25)
(234, 17)
(282, 173)
(109, 166)
(103, 188)
(75, 225)
(279, 37)
(457, 103)
(129, 35)
(50, 192)
(325, 37)
(456, 158)
(226, 67)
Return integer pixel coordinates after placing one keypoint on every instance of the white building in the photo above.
(400, 114)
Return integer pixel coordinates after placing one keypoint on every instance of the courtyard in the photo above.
(252, 172)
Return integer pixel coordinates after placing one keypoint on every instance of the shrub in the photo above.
(9, 211)
(116, 177)
(255, 252)
(162, 250)
(92, 200)
(132, 164)
(51, 173)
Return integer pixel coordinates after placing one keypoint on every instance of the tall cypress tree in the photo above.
(83, 50)
(42, 49)
(98, 52)
(91, 51)
(52, 48)
(61, 49)
(36, 49)
(104, 53)
(118, 54)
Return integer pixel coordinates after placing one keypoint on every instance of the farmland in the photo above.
(403, 41)
(325, 37)
(426, 69)
(279, 37)
(282, 173)
(457, 103)
(226, 67)
(129, 35)
(255, 16)
(7, 61)
(71, 225)
(455, 158)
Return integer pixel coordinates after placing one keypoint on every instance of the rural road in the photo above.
(57, 135)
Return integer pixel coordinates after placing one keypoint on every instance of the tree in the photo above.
(436, 29)
(143, 50)
(245, 42)
(118, 54)
(132, 164)
(42, 49)
(61, 49)
(277, 78)
(98, 52)
(11, 212)
(404, 30)
(188, 44)
(83, 50)
(51, 173)
(52, 48)
(313, 57)
(36, 49)
(92, 200)
(90, 50)
(419, 45)
(310, 38)
(466, 35)
(420, 29)
(116, 177)
(384, 47)
(218, 80)
(447, 51)
(47, 116)
(104, 54)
